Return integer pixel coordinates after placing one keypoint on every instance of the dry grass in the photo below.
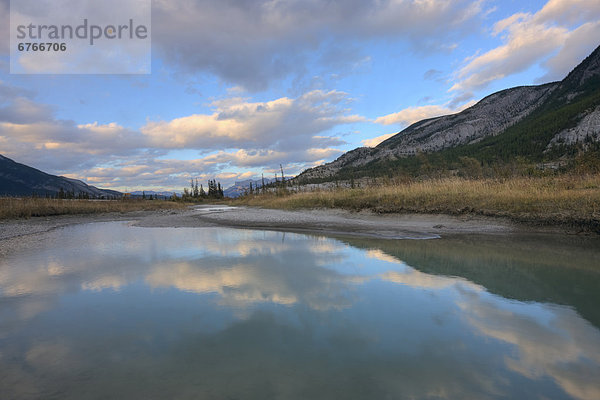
(573, 200)
(28, 207)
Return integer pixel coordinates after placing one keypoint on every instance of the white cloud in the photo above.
(262, 41)
(569, 11)
(257, 136)
(376, 140)
(566, 30)
(277, 124)
(413, 114)
(21, 110)
(59, 146)
(144, 171)
(271, 158)
(416, 279)
(577, 46)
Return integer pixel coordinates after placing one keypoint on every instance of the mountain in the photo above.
(159, 195)
(21, 180)
(240, 187)
(539, 123)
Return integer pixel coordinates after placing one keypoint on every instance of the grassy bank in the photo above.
(558, 200)
(35, 207)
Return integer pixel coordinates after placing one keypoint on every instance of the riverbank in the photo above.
(567, 202)
(11, 208)
(21, 234)
(348, 223)
(25, 233)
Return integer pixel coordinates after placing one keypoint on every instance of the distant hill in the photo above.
(240, 187)
(21, 180)
(157, 195)
(542, 123)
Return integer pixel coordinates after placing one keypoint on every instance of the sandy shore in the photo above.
(391, 226)
(26, 232)
(19, 233)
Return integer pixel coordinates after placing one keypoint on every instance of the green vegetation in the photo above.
(530, 138)
(41, 207)
(456, 163)
(198, 194)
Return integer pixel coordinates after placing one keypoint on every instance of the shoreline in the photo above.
(559, 203)
(24, 232)
(363, 223)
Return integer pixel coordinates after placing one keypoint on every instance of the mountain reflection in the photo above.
(224, 313)
(542, 268)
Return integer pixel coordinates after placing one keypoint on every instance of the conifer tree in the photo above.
(211, 189)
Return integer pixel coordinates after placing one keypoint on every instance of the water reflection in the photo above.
(561, 345)
(541, 268)
(118, 311)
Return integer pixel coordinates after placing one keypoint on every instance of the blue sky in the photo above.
(238, 88)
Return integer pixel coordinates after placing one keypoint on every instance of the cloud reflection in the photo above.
(562, 346)
(296, 314)
(242, 282)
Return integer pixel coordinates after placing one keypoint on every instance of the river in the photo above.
(110, 310)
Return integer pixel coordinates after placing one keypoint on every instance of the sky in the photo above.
(238, 88)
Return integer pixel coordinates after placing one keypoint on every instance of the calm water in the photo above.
(108, 310)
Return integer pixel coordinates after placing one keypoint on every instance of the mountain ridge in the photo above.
(471, 131)
(18, 179)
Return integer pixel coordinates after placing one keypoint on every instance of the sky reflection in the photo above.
(213, 312)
